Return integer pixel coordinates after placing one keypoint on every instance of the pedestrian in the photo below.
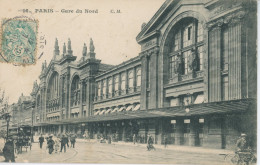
(63, 143)
(73, 140)
(50, 144)
(19, 144)
(150, 143)
(67, 140)
(41, 140)
(56, 145)
(165, 140)
(8, 150)
(134, 138)
(242, 144)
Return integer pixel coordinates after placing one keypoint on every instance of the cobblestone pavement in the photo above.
(93, 152)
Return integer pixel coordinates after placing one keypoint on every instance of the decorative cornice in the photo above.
(149, 52)
(227, 20)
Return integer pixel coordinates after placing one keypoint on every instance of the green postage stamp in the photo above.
(18, 41)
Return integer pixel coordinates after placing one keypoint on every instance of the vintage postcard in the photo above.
(128, 81)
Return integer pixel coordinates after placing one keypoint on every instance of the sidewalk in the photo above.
(192, 149)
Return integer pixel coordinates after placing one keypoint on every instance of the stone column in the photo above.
(215, 64)
(124, 132)
(44, 90)
(60, 95)
(194, 134)
(81, 83)
(154, 78)
(160, 131)
(144, 76)
(67, 96)
(59, 129)
(179, 132)
(134, 78)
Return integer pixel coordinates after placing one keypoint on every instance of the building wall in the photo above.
(220, 66)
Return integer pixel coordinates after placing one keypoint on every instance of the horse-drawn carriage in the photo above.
(22, 137)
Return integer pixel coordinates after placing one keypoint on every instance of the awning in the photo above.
(96, 113)
(129, 108)
(75, 110)
(114, 110)
(137, 107)
(121, 109)
(199, 99)
(213, 108)
(53, 114)
(102, 112)
(108, 111)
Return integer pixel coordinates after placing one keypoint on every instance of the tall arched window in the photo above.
(186, 54)
(122, 81)
(138, 77)
(110, 85)
(53, 91)
(116, 83)
(75, 91)
(130, 79)
(104, 88)
(99, 89)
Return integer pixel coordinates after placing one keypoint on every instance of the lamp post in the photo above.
(187, 107)
(7, 117)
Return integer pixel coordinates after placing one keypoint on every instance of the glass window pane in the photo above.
(130, 79)
(116, 83)
(177, 37)
(104, 87)
(200, 32)
(110, 86)
(186, 61)
(138, 78)
(123, 81)
(200, 54)
(187, 35)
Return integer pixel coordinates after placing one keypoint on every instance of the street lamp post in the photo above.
(6, 117)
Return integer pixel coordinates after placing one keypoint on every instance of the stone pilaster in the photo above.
(194, 134)
(143, 100)
(81, 84)
(179, 132)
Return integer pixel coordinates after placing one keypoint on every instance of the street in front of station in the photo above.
(86, 151)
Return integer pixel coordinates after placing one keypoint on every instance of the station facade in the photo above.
(193, 83)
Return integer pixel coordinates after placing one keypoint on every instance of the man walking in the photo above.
(50, 144)
(63, 143)
(41, 140)
(8, 151)
(73, 140)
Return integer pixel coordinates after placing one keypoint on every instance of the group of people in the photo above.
(14, 144)
(58, 144)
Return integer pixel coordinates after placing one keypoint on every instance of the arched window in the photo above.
(186, 54)
(105, 87)
(138, 77)
(110, 85)
(53, 91)
(116, 82)
(130, 79)
(99, 89)
(75, 91)
(123, 81)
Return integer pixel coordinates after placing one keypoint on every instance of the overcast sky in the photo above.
(113, 34)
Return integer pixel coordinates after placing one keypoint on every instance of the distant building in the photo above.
(193, 82)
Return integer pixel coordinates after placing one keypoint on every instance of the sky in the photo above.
(114, 34)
